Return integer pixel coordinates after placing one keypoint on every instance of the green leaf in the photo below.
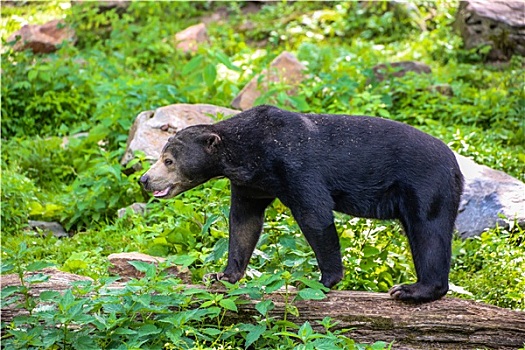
(264, 306)
(305, 331)
(369, 251)
(275, 285)
(219, 250)
(38, 265)
(147, 268)
(9, 290)
(85, 342)
(192, 65)
(311, 294)
(37, 278)
(67, 300)
(148, 329)
(49, 295)
(211, 331)
(210, 221)
(210, 73)
(379, 345)
(221, 57)
(228, 304)
(299, 103)
(254, 334)
(183, 260)
(7, 267)
(312, 283)
(32, 74)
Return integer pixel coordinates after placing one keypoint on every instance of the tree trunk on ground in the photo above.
(449, 323)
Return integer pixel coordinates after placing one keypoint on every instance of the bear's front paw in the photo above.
(417, 292)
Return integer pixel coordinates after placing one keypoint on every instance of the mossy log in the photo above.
(449, 323)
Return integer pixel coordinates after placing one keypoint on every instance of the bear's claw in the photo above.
(213, 277)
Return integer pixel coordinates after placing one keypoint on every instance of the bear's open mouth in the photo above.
(163, 193)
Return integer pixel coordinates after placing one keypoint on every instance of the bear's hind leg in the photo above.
(430, 243)
(318, 227)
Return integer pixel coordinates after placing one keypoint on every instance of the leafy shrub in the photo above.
(48, 162)
(99, 191)
(375, 257)
(157, 312)
(44, 97)
(492, 267)
(18, 194)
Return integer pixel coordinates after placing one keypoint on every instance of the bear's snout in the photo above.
(144, 179)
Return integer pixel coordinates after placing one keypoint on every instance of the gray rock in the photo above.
(42, 38)
(488, 194)
(399, 69)
(151, 129)
(137, 208)
(285, 68)
(54, 227)
(500, 24)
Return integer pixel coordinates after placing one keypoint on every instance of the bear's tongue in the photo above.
(162, 193)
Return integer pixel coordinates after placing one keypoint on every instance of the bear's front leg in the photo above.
(246, 222)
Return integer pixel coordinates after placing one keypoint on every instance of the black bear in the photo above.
(315, 164)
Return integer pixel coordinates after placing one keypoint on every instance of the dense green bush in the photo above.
(492, 266)
(18, 195)
(46, 97)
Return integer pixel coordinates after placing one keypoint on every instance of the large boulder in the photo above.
(500, 24)
(151, 129)
(42, 38)
(285, 69)
(190, 38)
(488, 194)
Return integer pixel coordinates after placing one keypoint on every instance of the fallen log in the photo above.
(449, 323)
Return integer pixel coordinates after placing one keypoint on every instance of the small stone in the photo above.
(190, 38)
(121, 266)
(219, 16)
(399, 69)
(42, 38)
(443, 89)
(120, 6)
(285, 69)
(136, 208)
(53, 227)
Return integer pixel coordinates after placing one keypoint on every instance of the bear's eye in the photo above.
(168, 162)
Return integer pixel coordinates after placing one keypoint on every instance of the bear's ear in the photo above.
(211, 141)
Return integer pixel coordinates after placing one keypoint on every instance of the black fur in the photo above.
(362, 166)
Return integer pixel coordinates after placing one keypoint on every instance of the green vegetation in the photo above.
(126, 63)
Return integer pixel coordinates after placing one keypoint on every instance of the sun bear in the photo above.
(316, 164)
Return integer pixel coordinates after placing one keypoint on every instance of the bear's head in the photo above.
(188, 159)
